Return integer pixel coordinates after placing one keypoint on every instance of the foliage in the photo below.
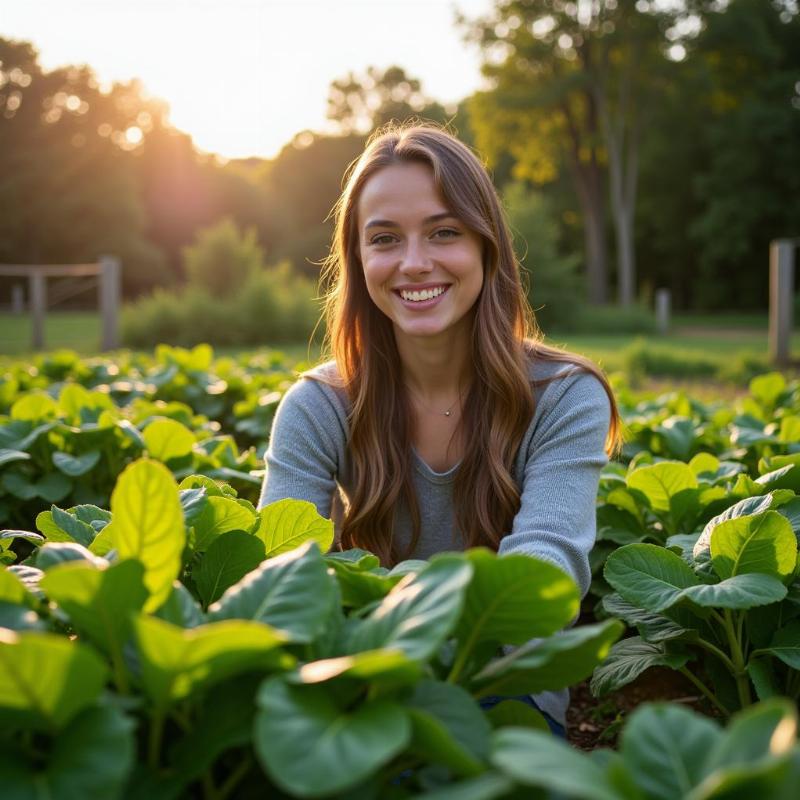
(336, 672)
(271, 305)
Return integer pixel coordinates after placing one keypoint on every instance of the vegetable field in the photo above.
(160, 637)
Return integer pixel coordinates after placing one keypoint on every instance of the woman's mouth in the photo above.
(419, 300)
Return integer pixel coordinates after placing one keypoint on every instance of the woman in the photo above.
(442, 419)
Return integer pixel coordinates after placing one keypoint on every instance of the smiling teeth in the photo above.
(425, 294)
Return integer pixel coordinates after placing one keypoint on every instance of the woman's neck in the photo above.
(436, 369)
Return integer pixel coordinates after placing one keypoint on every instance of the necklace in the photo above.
(432, 411)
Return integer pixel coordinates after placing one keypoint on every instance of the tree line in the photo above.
(637, 145)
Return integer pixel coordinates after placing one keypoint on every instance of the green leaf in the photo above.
(648, 575)
(286, 524)
(628, 659)
(768, 388)
(448, 727)
(380, 667)
(513, 598)
(19, 618)
(75, 466)
(181, 609)
(661, 482)
(488, 786)
(359, 586)
(34, 406)
(291, 592)
(534, 758)
(665, 748)
(92, 757)
(78, 530)
(785, 644)
(99, 602)
(311, 747)
(148, 525)
(419, 613)
(12, 589)
(516, 714)
(8, 456)
(762, 543)
(228, 559)
(176, 662)
(220, 515)
(756, 733)
(167, 438)
(54, 553)
(739, 592)
(46, 679)
(554, 663)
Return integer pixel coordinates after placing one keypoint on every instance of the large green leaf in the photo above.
(554, 663)
(176, 662)
(419, 613)
(291, 592)
(220, 515)
(228, 559)
(762, 543)
(361, 586)
(312, 747)
(148, 525)
(739, 592)
(628, 659)
(665, 748)
(648, 575)
(167, 438)
(12, 589)
(448, 727)
(54, 554)
(181, 609)
(488, 786)
(99, 602)
(91, 757)
(46, 679)
(287, 524)
(661, 482)
(534, 758)
(514, 598)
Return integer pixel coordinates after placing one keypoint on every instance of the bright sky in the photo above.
(243, 76)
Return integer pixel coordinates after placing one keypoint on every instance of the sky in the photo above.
(244, 76)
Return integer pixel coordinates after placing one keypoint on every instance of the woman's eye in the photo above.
(448, 233)
(382, 238)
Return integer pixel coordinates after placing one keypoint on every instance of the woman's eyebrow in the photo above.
(387, 223)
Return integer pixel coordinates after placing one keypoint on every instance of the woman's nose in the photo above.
(416, 257)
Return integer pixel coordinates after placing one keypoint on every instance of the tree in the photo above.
(360, 103)
(568, 86)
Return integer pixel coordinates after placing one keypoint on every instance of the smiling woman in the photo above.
(441, 422)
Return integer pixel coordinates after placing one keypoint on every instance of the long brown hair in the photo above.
(500, 403)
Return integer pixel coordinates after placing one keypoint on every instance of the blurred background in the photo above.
(638, 146)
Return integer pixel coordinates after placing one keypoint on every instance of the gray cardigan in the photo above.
(557, 470)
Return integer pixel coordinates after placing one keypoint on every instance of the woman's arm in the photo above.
(305, 448)
(556, 520)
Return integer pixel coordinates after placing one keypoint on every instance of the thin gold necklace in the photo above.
(432, 411)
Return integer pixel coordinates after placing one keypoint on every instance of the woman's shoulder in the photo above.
(318, 382)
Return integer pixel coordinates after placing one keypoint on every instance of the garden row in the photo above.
(146, 597)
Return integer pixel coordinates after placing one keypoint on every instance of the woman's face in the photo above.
(411, 246)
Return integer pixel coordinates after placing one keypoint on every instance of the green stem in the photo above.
(462, 655)
(234, 778)
(718, 653)
(120, 678)
(156, 734)
(705, 690)
(739, 671)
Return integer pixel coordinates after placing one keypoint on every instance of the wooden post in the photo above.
(38, 292)
(663, 298)
(781, 299)
(17, 299)
(110, 280)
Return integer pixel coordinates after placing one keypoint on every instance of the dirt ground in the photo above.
(593, 722)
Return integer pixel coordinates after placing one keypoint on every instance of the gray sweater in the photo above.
(557, 470)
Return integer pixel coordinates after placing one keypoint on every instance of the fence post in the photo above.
(781, 299)
(663, 298)
(110, 280)
(17, 299)
(38, 292)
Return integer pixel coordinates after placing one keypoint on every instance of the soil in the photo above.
(594, 723)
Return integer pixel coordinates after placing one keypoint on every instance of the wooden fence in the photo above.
(106, 272)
